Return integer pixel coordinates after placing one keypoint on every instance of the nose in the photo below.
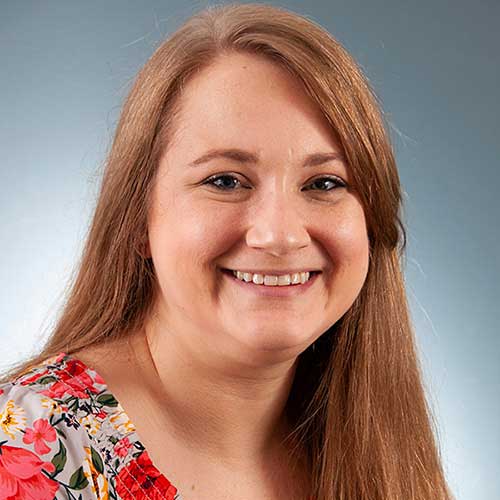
(277, 227)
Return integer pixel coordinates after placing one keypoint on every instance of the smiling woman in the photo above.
(238, 327)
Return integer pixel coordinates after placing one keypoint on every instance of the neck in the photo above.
(234, 415)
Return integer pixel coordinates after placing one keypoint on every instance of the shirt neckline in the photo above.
(128, 430)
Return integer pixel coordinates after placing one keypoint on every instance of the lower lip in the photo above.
(272, 291)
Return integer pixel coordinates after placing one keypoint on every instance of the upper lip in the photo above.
(276, 272)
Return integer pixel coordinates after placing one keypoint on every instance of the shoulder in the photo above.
(45, 449)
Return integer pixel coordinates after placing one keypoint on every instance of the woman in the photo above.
(238, 327)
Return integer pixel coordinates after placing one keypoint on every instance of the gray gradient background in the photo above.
(66, 68)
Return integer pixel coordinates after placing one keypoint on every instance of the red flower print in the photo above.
(21, 476)
(42, 431)
(141, 480)
(121, 448)
(71, 380)
(34, 378)
(59, 358)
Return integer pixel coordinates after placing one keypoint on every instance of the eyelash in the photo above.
(210, 181)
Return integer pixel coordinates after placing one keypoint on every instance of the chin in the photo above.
(272, 340)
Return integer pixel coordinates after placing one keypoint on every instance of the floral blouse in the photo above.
(64, 436)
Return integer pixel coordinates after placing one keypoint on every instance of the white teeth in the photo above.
(284, 280)
(270, 280)
(258, 279)
(273, 280)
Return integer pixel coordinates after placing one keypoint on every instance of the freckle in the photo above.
(192, 487)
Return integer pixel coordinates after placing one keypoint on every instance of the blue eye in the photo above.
(224, 185)
(227, 182)
(333, 180)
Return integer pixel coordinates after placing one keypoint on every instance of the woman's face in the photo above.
(272, 214)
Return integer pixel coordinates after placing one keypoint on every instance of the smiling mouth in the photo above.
(275, 291)
(231, 273)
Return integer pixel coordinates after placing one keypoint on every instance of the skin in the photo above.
(214, 365)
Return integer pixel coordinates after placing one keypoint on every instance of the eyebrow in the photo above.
(243, 156)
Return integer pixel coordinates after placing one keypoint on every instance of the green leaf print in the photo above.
(96, 460)
(78, 481)
(46, 380)
(59, 459)
(60, 432)
(107, 400)
(74, 405)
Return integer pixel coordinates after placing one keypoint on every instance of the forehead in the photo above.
(244, 100)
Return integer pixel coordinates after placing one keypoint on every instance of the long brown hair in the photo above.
(357, 404)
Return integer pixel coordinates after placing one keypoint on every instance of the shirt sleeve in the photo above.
(44, 451)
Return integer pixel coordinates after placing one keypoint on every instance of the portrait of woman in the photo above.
(238, 327)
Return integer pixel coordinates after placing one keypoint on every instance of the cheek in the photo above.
(348, 248)
(185, 237)
(351, 243)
